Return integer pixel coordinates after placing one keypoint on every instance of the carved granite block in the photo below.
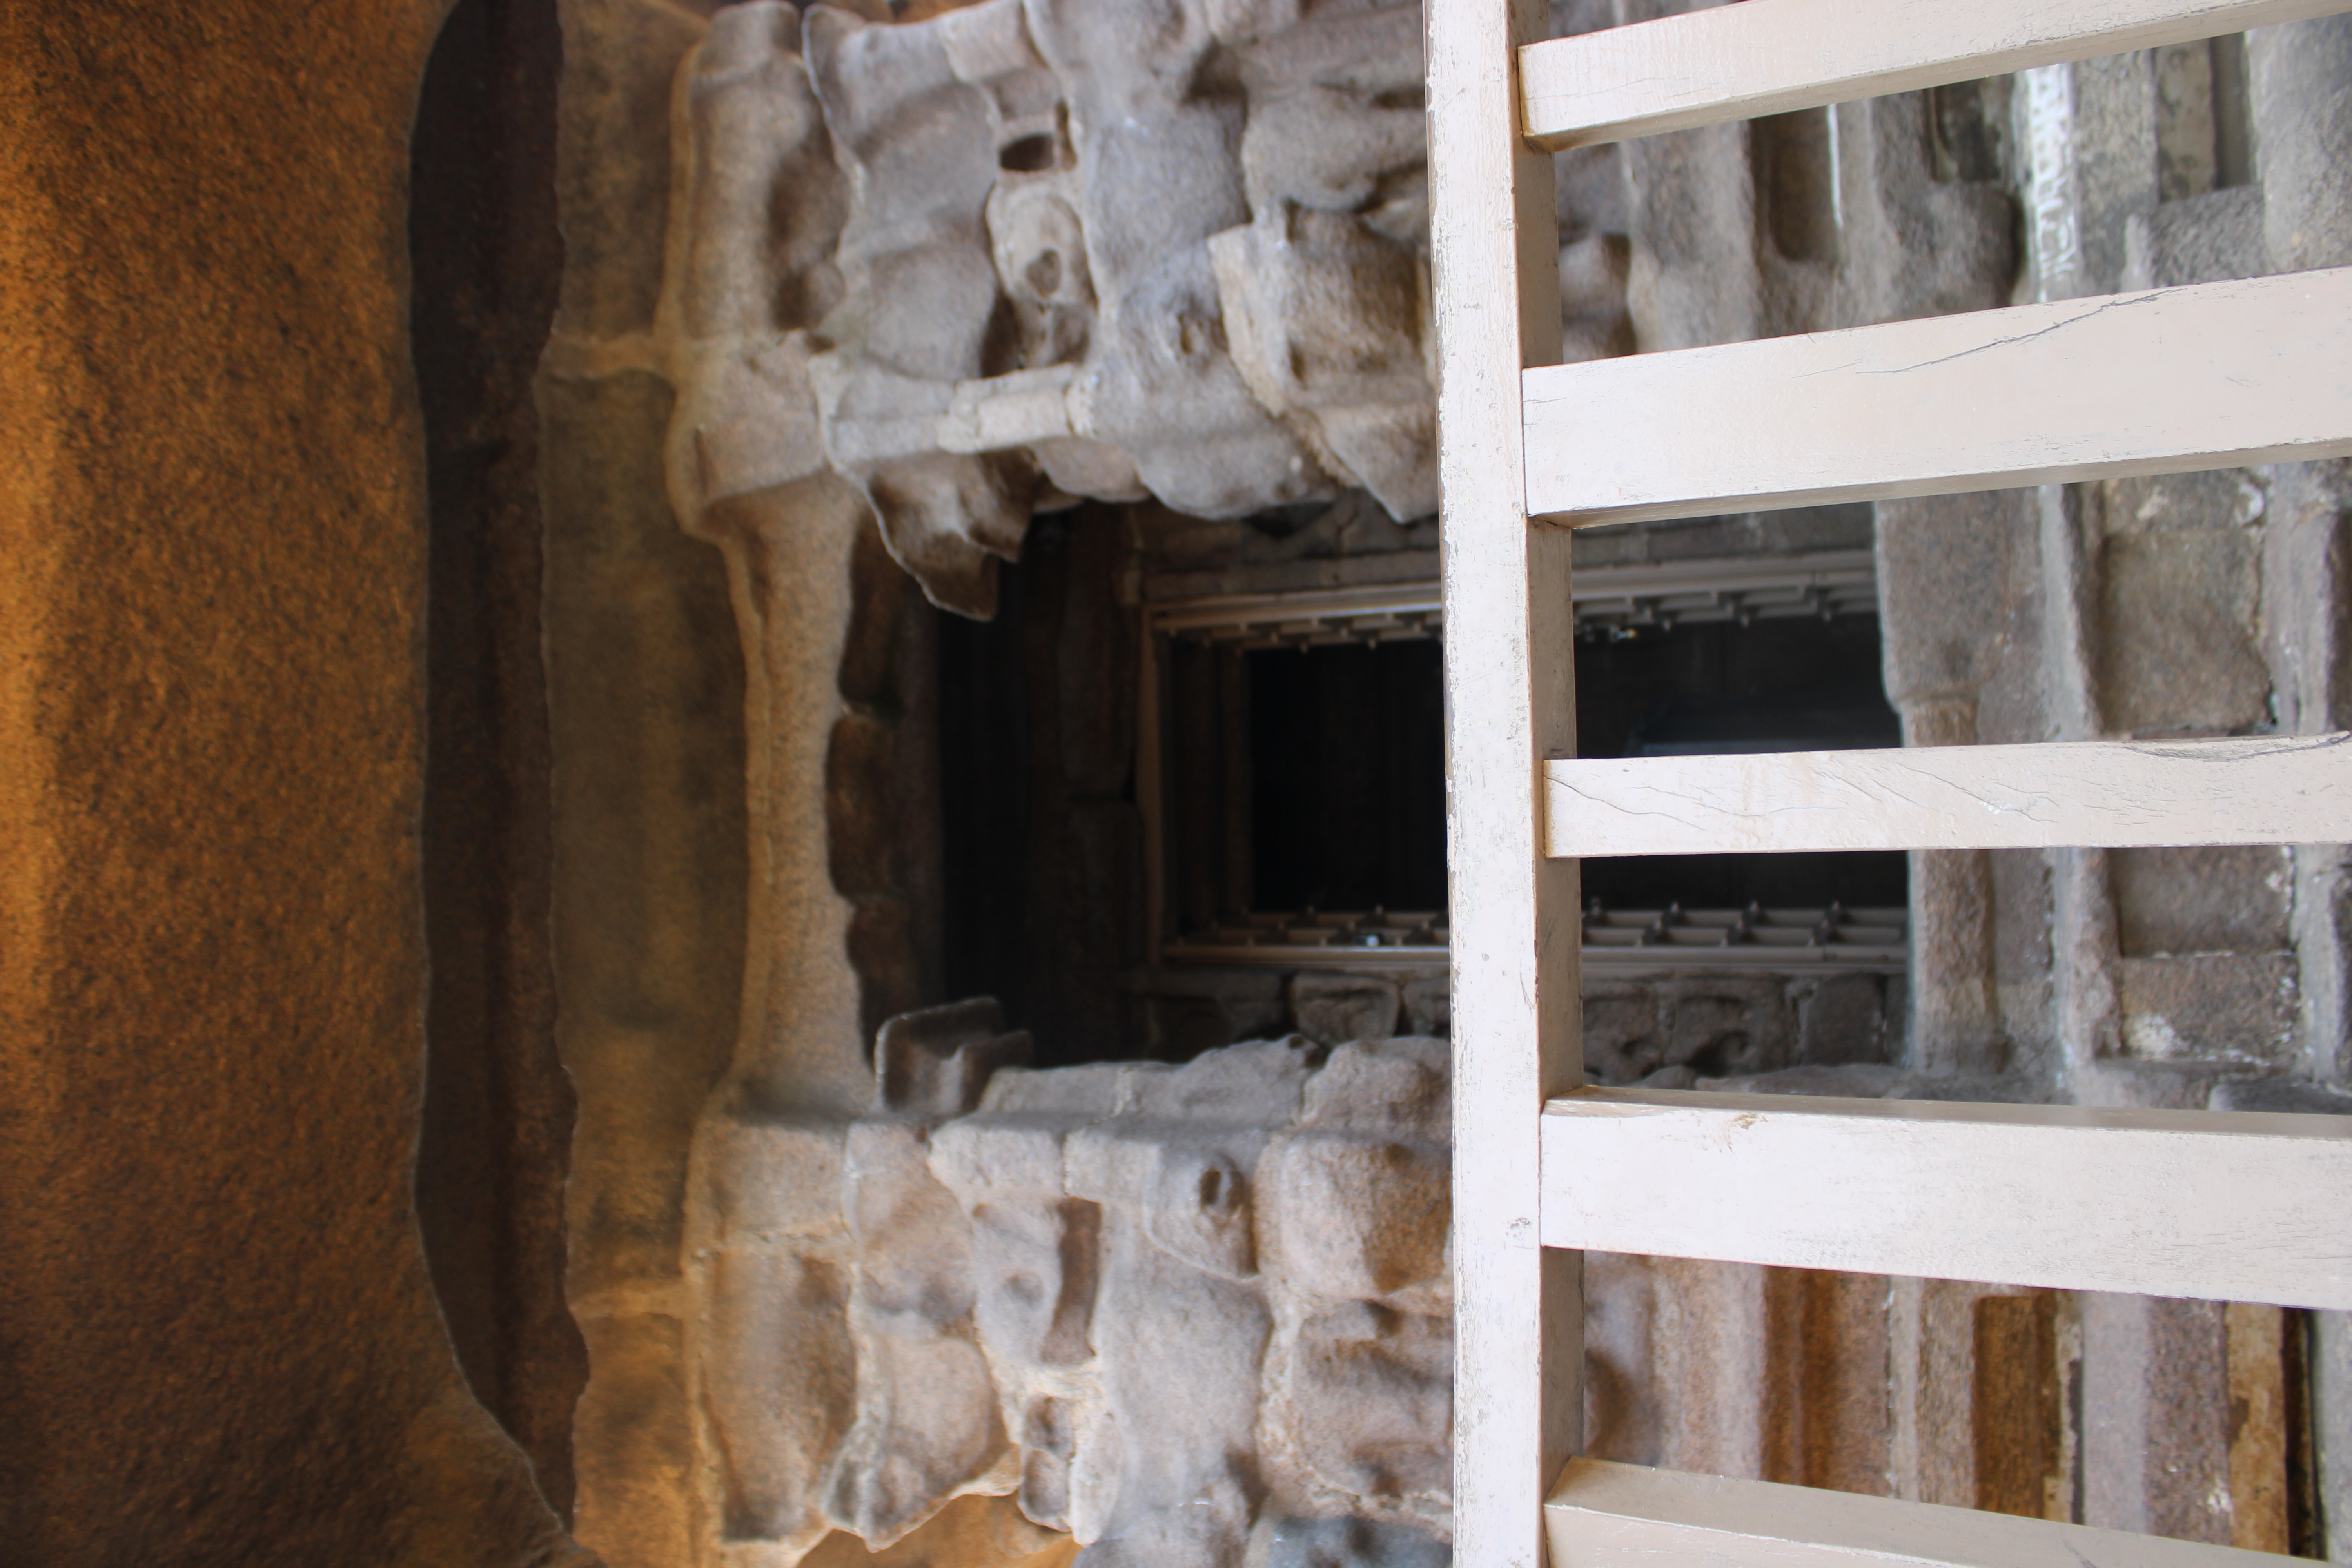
(772, 1180)
(1910, 244)
(918, 145)
(2179, 642)
(1428, 1006)
(974, 1532)
(2162, 503)
(1844, 1020)
(2212, 899)
(782, 1388)
(2201, 239)
(2234, 1007)
(754, 225)
(638, 1450)
(1169, 1309)
(1331, 1007)
(927, 1425)
(2156, 1443)
(1355, 1218)
(935, 1063)
(967, 263)
(1724, 1025)
(1323, 319)
(1363, 1543)
(1371, 1399)
(616, 159)
(2303, 125)
(1623, 1036)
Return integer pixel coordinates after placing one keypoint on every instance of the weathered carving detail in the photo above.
(947, 273)
(1012, 257)
(1190, 1314)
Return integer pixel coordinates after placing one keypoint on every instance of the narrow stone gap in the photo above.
(494, 1148)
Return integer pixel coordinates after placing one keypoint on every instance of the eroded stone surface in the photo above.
(1063, 263)
(1167, 1310)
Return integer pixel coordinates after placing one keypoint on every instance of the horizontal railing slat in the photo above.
(2275, 789)
(1769, 57)
(1604, 1515)
(2210, 376)
(2217, 1206)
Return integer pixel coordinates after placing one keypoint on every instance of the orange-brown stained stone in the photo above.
(218, 1339)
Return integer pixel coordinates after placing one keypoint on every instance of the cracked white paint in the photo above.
(1769, 57)
(2209, 1204)
(2216, 375)
(2059, 795)
(1628, 1516)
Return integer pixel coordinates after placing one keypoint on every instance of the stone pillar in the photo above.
(1712, 1352)
(1955, 1019)
(1947, 600)
(2307, 585)
(1692, 273)
(2184, 1419)
(222, 1344)
(2300, 99)
(1978, 1415)
(646, 693)
(1932, 1340)
(646, 687)
(2331, 1421)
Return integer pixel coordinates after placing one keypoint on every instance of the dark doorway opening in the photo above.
(984, 796)
(1804, 683)
(1311, 779)
(1348, 786)
(1042, 873)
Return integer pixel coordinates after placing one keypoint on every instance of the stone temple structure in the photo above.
(722, 729)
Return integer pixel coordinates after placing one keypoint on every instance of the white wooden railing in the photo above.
(2240, 1207)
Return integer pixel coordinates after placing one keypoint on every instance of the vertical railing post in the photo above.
(1511, 692)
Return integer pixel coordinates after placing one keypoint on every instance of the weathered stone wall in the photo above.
(646, 693)
(958, 383)
(2186, 604)
(222, 1342)
(803, 1426)
(2189, 605)
(1180, 1313)
(744, 825)
(1030, 255)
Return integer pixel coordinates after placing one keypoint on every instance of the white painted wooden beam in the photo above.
(2269, 789)
(2225, 1206)
(1768, 57)
(1510, 637)
(1606, 1515)
(2215, 375)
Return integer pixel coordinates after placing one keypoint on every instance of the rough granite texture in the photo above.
(222, 1344)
